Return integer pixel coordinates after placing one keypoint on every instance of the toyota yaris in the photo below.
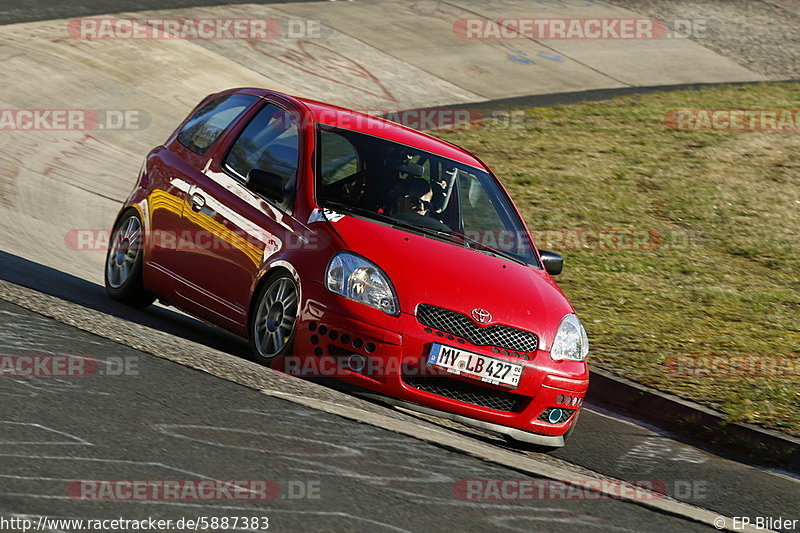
(342, 244)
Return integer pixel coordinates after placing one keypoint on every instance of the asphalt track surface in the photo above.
(604, 442)
(160, 420)
(171, 422)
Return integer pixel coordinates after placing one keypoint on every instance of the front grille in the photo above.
(463, 391)
(461, 325)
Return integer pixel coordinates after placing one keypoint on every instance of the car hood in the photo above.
(426, 270)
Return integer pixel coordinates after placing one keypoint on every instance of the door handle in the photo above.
(197, 201)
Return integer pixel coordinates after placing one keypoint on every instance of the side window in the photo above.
(269, 142)
(338, 157)
(208, 123)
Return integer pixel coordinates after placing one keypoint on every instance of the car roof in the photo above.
(349, 119)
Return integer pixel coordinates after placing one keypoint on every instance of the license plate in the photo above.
(475, 366)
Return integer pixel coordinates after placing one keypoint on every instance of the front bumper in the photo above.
(517, 434)
(387, 355)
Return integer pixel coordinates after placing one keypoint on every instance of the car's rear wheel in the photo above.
(274, 318)
(123, 272)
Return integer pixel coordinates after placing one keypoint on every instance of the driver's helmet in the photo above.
(412, 190)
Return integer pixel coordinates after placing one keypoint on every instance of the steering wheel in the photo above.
(347, 180)
(348, 187)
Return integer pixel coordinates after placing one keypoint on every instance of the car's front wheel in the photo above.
(274, 318)
(123, 272)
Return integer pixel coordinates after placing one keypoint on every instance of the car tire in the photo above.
(124, 260)
(274, 318)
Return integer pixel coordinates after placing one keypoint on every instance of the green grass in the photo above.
(723, 278)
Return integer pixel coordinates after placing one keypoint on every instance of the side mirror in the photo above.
(553, 263)
(266, 183)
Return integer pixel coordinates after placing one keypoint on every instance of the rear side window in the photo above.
(206, 126)
(339, 158)
(269, 142)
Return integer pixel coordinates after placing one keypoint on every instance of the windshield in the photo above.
(419, 191)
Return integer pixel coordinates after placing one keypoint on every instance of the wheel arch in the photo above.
(141, 210)
(267, 272)
(131, 291)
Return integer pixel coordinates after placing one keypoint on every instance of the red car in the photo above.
(341, 244)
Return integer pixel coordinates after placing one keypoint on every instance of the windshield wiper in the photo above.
(474, 243)
(455, 238)
(459, 238)
(363, 211)
(390, 220)
(428, 230)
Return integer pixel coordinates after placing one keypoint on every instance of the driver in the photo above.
(414, 203)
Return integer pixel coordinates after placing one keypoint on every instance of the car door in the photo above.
(236, 227)
(173, 169)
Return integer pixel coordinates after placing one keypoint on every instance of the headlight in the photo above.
(362, 281)
(571, 341)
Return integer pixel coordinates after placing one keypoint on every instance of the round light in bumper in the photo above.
(554, 417)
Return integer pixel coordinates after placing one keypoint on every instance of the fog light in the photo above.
(356, 362)
(555, 416)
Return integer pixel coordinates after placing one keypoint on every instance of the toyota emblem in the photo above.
(481, 316)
